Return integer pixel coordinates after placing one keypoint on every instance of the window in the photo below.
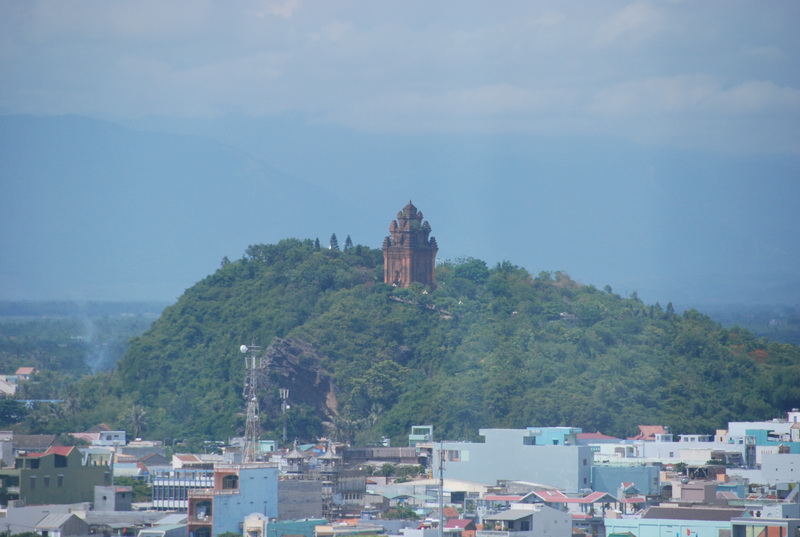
(33, 482)
(46, 481)
(60, 480)
(584, 462)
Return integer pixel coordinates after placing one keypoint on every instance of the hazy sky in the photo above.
(708, 74)
(624, 142)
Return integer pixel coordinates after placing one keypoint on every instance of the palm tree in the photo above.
(138, 420)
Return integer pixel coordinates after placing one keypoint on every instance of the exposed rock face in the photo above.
(295, 364)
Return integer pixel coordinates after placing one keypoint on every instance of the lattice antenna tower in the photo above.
(252, 424)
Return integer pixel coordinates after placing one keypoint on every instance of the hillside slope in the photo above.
(490, 347)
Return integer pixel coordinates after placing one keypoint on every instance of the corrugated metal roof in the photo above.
(54, 521)
(511, 514)
(693, 513)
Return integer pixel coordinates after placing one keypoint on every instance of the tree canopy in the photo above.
(489, 347)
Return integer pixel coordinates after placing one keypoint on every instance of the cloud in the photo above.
(284, 9)
(386, 65)
(635, 21)
(333, 31)
(654, 95)
(758, 96)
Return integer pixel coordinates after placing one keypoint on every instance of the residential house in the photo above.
(7, 388)
(765, 527)
(537, 454)
(527, 520)
(781, 468)
(62, 525)
(587, 510)
(238, 490)
(662, 521)
(24, 519)
(26, 373)
(651, 433)
(171, 487)
(32, 443)
(113, 498)
(465, 526)
(56, 476)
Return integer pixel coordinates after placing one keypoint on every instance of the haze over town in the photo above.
(650, 146)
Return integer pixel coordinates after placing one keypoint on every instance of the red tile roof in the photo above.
(556, 496)
(648, 432)
(458, 523)
(55, 450)
(596, 436)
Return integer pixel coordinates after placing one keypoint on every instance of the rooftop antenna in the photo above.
(252, 424)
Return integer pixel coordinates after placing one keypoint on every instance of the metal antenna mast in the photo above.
(252, 425)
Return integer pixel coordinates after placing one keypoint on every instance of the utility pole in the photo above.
(284, 406)
(441, 489)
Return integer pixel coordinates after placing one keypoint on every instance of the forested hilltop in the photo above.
(489, 347)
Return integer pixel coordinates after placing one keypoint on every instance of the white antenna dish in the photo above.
(243, 349)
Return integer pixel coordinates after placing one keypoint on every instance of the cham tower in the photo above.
(409, 255)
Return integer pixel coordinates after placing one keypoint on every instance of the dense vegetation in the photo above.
(490, 347)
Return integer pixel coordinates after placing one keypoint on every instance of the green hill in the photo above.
(490, 347)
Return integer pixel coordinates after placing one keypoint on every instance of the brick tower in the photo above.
(408, 254)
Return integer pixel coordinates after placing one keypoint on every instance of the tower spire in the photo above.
(409, 252)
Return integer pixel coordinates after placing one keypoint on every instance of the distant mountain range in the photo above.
(101, 210)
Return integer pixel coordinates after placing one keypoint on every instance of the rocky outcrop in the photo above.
(297, 365)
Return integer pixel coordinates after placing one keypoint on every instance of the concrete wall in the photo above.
(609, 478)
(655, 527)
(257, 493)
(299, 499)
(780, 468)
(504, 455)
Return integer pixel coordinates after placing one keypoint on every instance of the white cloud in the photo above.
(655, 95)
(284, 9)
(635, 22)
(758, 96)
(333, 31)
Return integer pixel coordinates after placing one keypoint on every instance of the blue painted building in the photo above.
(239, 490)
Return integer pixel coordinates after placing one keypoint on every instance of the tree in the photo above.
(11, 412)
(137, 419)
(348, 244)
(334, 243)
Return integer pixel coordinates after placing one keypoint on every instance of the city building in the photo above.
(663, 521)
(57, 476)
(171, 487)
(238, 490)
(547, 456)
(527, 520)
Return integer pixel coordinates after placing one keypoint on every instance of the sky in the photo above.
(712, 74)
(713, 80)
